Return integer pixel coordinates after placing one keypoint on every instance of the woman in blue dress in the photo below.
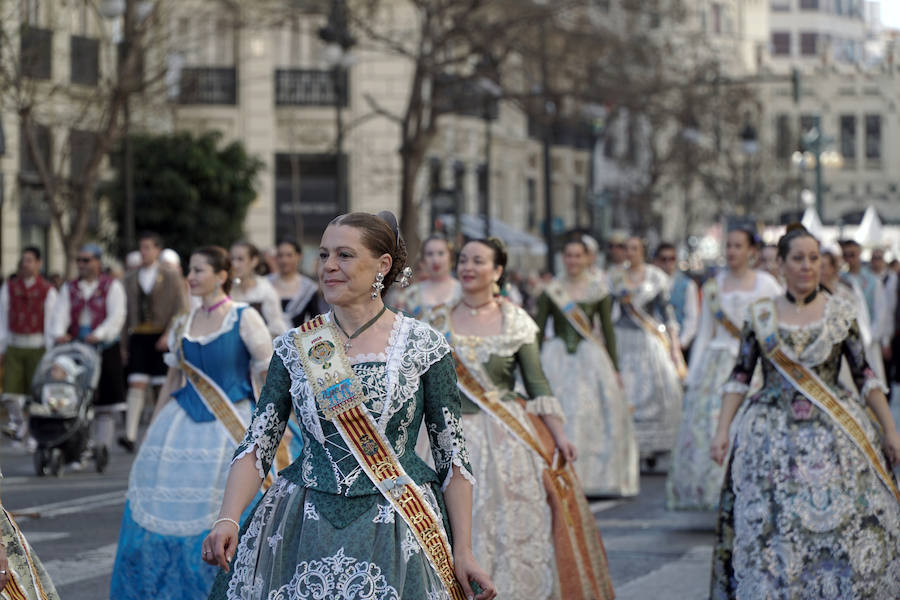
(178, 478)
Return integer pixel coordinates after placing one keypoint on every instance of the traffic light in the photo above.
(795, 84)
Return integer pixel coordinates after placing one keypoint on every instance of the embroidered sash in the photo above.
(220, 405)
(765, 321)
(340, 397)
(572, 312)
(655, 328)
(711, 295)
(13, 589)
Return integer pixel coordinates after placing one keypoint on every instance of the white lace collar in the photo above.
(595, 289)
(839, 314)
(225, 327)
(382, 357)
(518, 329)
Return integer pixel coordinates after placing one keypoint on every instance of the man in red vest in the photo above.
(91, 309)
(26, 306)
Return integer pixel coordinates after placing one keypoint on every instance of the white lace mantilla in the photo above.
(390, 386)
(834, 325)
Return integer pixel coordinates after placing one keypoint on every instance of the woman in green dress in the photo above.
(532, 528)
(582, 370)
(329, 527)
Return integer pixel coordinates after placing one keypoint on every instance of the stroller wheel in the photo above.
(40, 462)
(55, 464)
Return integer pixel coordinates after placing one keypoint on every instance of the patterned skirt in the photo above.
(598, 420)
(652, 387)
(175, 491)
(300, 544)
(27, 578)
(695, 481)
(802, 514)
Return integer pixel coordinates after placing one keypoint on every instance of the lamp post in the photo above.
(750, 148)
(816, 156)
(338, 43)
(489, 92)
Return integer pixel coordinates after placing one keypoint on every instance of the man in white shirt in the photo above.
(91, 309)
(26, 306)
(888, 278)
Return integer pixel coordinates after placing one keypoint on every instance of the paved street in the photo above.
(73, 524)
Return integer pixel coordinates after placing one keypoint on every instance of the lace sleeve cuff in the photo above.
(247, 450)
(545, 405)
(464, 470)
(872, 383)
(735, 387)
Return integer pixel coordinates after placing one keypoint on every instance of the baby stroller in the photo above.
(60, 410)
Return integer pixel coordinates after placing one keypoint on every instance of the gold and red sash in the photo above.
(339, 395)
(765, 322)
(13, 589)
(572, 312)
(220, 405)
(711, 295)
(655, 328)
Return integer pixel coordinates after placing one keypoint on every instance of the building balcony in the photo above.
(309, 87)
(208, 85)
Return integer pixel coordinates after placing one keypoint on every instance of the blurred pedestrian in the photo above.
(441, 288)
(768, 261)
(155, 295)
(876, 303)
(256, 291)
(683, 294)
(888, 278)
(809, 508)
(299, 294)
(27, 301)
(649, 352)
(178, 477)
(695, 481)
(92, 309)
(582, 369)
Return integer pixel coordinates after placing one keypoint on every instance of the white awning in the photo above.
(515, 240)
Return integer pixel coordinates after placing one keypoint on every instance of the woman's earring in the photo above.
(406, 275)
(378, 285)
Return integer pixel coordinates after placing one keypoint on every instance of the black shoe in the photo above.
(126, 443)
(101, 458)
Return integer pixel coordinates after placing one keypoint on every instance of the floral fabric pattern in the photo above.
(802, 514)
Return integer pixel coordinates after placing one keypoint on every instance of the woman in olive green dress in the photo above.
(582, 370)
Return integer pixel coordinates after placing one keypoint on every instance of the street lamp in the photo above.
(815, 156)
(750, 148)
(338, 42)
(490, 92)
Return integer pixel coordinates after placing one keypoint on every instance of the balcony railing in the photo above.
(208, 85)
(308, 87)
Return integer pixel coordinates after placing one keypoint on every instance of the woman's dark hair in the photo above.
(753, 239)
(380, 235)
(794, 231)
(438, 237)
(217, 258)
(577, 239)
(500, 256)
(252, 253)
(292, 243)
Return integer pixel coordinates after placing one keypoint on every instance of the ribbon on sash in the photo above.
(339, 395)
(220, 405)
(655, 328)
(13, 589)
(711, 294)
(765, 323)
(573, 313)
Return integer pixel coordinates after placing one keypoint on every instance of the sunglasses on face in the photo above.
(83, 260)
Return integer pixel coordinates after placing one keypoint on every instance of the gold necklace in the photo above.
(473, 310)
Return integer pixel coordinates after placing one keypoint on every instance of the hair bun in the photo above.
(796, 227)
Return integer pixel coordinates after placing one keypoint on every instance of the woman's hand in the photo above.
(718, 448)
(566, 447)
(892, 447)
(4, 568)
(466, 569)
(218, 547)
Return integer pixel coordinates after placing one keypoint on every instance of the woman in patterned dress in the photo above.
(440, 287)
(323, 530)
(647, 341)
(517, 536)
(584, 375)
(806, 509)
(695, 481)
(178, 477)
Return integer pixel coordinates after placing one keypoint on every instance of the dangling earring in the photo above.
(378, 285)
(495, 288)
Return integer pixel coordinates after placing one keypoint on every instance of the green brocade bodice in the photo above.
(597, 308)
